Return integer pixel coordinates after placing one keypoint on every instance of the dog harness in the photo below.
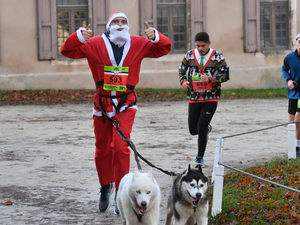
(139, 217)
(117, 107)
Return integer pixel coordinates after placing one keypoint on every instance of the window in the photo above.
(170, 18)
(0, 41)
(266, 25)
(71, 15)
(171, 21)
(274, 25)
(57, 19)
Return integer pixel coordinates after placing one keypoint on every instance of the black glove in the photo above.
(296, 85)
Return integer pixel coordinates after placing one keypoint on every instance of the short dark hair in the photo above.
(202, 36)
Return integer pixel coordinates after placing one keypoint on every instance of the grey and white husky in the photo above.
(188, 199)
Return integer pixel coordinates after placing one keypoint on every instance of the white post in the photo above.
(218, 191)
(218, 156)
(291, 141)
(217, 179)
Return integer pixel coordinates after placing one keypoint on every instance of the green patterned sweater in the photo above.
(217, 68)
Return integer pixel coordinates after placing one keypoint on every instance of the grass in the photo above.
(149, 94)
(247, 200)
(166, 94)
(254, 93)
(38, 97)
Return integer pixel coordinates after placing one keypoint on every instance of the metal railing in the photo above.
(218, 170)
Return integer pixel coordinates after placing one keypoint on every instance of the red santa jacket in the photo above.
(98, 52)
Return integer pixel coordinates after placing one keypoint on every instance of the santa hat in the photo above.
(115, 15)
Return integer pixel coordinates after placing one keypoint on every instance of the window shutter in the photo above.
(47, 37)
(251, 26)
(0, 39)
(100, 16)
(147, 14)
(198, 18)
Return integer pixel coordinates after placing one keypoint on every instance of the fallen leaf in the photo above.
(8, 203)
(246, 181)
(285, 205)
(296, 215)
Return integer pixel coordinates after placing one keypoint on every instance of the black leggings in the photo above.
(200, 115)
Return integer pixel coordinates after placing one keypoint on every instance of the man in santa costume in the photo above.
(114, 59)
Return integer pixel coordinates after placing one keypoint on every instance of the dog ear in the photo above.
(150, 173)
(189, 168)
(200, 168)
(136, 172)
(185, 173)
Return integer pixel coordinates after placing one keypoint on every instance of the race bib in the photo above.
(115, 78)
(200, 86)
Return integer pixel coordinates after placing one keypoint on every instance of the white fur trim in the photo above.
(125, 51)
(156, 36)
(111, 53)
(109, 50)
(79, 34)
(115, 15)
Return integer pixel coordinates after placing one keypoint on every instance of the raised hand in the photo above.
(87, 33)
(149, 32)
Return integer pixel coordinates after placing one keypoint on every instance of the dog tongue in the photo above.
(143, 209)
(193, 199)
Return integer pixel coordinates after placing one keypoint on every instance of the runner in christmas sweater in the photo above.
(114, 59)
(207, 69)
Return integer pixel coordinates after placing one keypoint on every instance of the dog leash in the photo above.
(131, 144)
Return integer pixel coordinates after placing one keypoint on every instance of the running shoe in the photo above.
(200, 162)
(104, 201)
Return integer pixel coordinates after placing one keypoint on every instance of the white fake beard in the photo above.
(119, 37)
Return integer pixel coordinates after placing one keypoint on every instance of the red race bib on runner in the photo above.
(201, 86)
(115, 78)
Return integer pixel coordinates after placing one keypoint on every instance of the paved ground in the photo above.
(47, 165)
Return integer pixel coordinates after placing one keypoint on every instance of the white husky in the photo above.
(138, 198)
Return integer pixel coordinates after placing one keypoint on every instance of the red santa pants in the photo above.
(112, 156)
